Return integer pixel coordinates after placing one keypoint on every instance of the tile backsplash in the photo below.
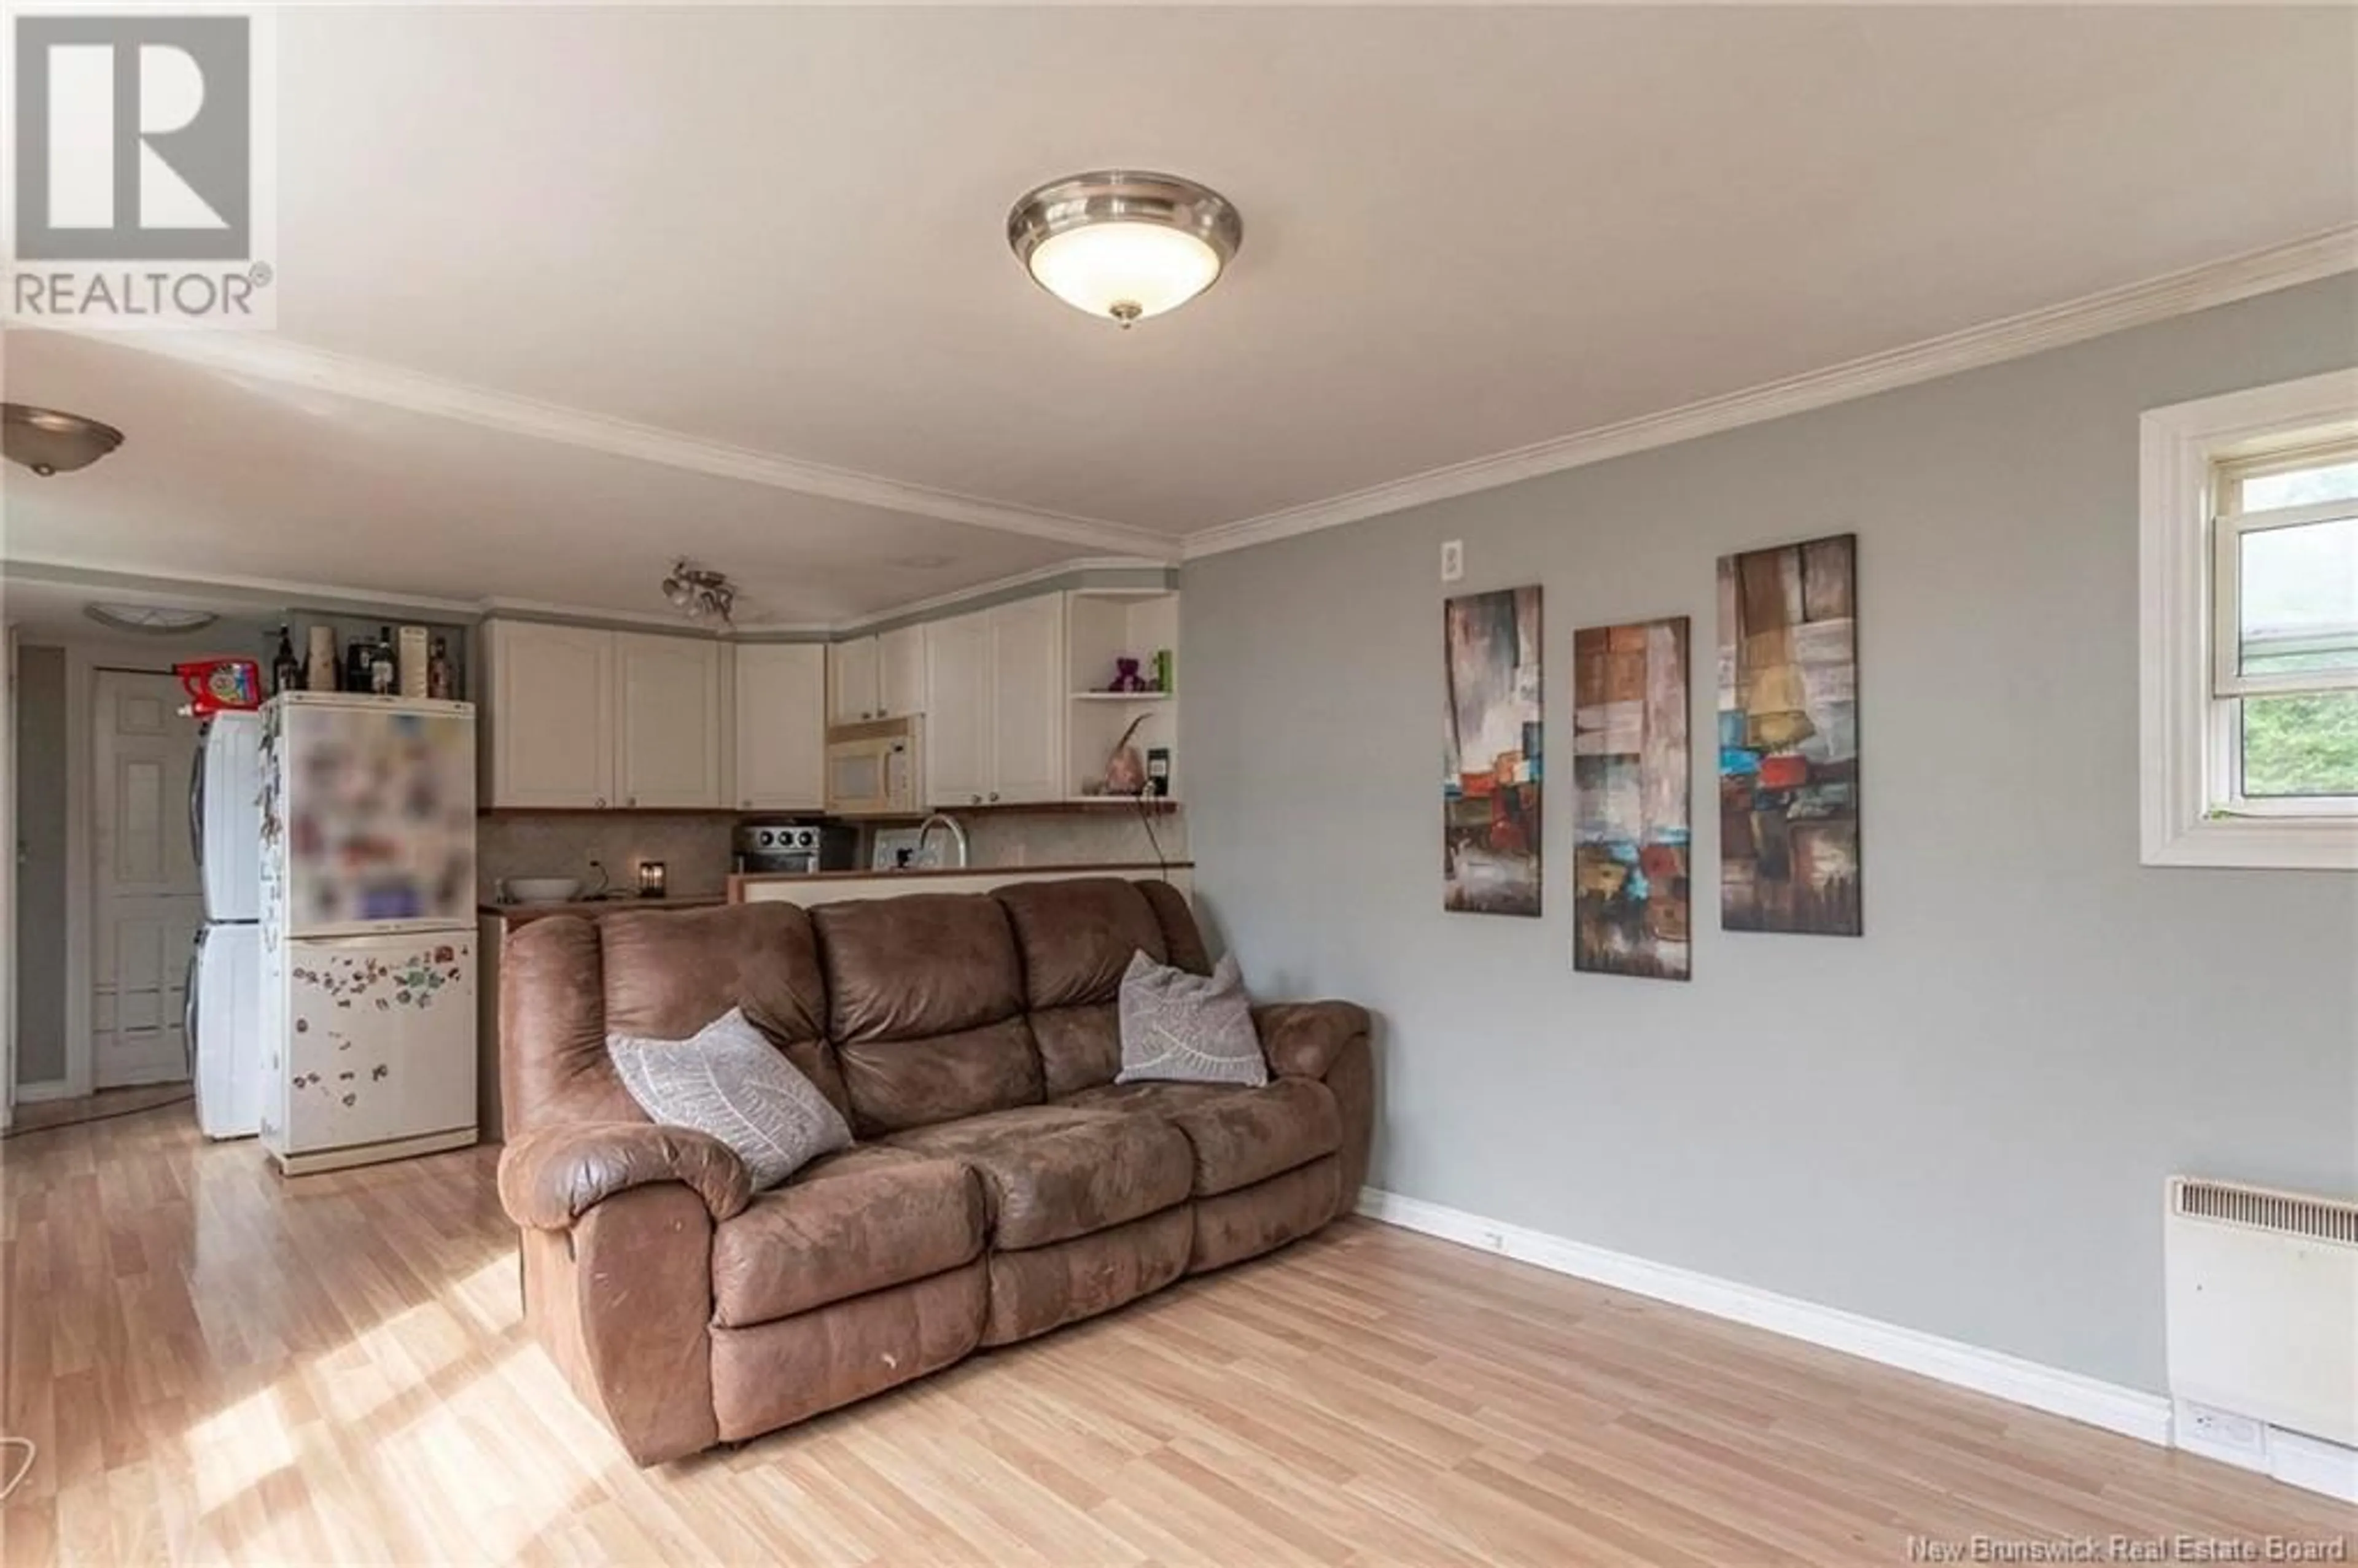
(1073, 838)
(694, 847)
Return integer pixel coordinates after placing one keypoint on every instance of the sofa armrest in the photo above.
(1304, 1039)
(553, 1175)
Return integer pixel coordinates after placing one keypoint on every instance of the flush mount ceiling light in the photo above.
(50, 442)
(149, 620)
(1124, 245)
(705, 595)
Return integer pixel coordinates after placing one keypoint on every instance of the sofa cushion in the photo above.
(926, 1007)
(922, 964)
(1051, 1173)
(1077, 937)
(1080, 1047)
(1256, 1220)
(849, 1224)
(667, 973)
(1180, 934)
(1237, 1136)
(1042, 1288)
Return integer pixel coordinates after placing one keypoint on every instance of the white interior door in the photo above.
(146, 902)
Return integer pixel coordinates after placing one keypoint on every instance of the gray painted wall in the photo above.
(41, 869)
(1960, 1122)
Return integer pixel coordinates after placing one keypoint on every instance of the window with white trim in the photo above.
(2250, 628)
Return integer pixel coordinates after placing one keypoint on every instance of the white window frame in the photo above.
(2194, 812)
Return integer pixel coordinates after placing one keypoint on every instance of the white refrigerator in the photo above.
(368, 928)
(224, 995)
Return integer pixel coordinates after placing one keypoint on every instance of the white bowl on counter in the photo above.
(540, 889)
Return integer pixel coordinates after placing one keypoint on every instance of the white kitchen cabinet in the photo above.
(958, 718)
(550, 721)
(781, 711)
(668, 723)
(901, 672)
(995, 705)
(852, 692)
(1027, 700)
(882, 677)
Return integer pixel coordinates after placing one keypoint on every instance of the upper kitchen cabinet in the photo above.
(578, 719)
(550, 716)
(882, 677)
(781, 711)
(995, 705)
(668, 723)
(1027, 699)
(901, 672)
(957, 716)
(852, 697)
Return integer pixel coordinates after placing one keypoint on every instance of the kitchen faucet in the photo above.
(958, 837)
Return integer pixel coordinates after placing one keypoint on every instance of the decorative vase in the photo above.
(1125, 770)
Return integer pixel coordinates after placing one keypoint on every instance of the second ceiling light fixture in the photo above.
(1124, 245)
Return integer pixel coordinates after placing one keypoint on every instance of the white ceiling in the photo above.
(776, 233)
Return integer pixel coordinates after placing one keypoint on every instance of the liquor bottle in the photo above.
(438, 674)
(382, 675)
(358, 658)
(286, 674)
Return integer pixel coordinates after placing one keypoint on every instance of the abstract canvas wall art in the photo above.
(1491, 754)
(1789, 739)
(1632, 804)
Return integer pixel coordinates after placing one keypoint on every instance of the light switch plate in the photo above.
(1453, 559)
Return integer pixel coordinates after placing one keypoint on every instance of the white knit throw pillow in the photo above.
(727, 1080)
(1195, 1029)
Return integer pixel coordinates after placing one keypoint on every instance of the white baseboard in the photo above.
(53, 1089)
(2313, 1464)
(2129, 1411)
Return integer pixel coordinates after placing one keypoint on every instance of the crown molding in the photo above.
(2135, 305)
(247, 592)
(268, 357)
(276, 595)
(918, 609)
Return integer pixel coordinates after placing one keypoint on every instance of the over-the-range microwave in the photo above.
(875, 769)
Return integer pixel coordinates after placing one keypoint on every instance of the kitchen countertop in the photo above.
(517, 914)
(1110, 867)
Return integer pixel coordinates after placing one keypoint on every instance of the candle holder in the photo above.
(651, 879)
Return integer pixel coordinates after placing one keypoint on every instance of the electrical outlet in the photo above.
(2239, 1439)
(1453, 559)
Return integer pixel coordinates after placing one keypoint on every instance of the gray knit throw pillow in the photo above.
(729, 1081)
(1195, 1029)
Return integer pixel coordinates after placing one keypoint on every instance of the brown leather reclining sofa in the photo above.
(1003, 1185)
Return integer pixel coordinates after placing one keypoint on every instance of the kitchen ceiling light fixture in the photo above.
(703, 594)
(149, 620)
(49, 441)
(1124, 245)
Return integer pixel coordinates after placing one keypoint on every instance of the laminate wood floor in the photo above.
(220, 1365)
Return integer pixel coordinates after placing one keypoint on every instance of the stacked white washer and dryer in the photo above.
(224, 992)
